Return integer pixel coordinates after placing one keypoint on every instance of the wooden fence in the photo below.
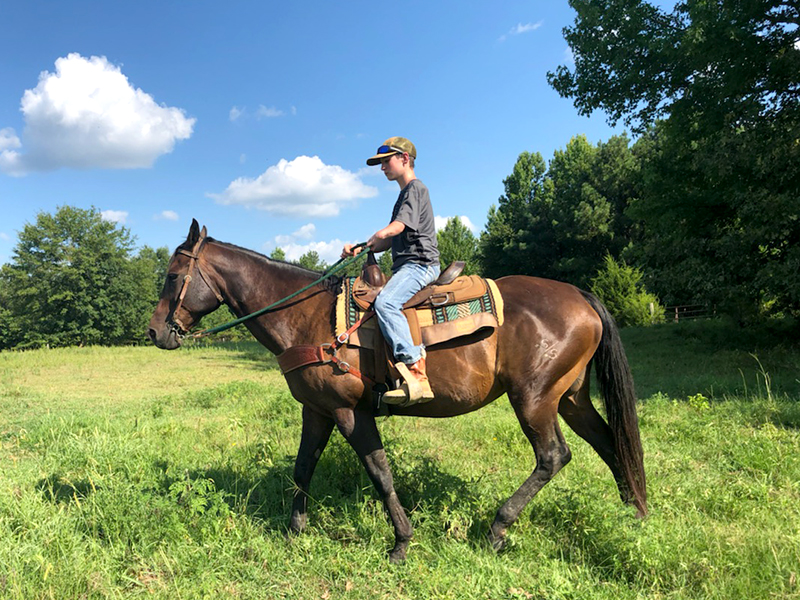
(687, 311)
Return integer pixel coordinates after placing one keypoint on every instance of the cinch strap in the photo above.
(303, 355)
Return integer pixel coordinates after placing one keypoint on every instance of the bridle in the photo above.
(175, 323)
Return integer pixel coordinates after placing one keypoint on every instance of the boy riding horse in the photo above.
(411, 235)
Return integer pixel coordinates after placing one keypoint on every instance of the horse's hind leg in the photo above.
(359, 429)
(577, 410)
(537, 413)
(316, 433)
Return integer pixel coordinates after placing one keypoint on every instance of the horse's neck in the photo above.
(251, 282)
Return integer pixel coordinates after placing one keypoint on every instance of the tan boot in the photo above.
(415, 389)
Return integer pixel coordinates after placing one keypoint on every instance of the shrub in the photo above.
(619, 287)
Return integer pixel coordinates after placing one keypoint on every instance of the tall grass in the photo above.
(134, 472)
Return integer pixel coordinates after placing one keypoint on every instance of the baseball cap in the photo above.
(392, 146)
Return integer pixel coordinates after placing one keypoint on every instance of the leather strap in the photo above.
(303, 355)
(194, 265)
(300, 356)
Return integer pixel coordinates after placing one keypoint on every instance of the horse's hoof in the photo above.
(296, 525)
(497, 541)
(397, 556)
(498, 544)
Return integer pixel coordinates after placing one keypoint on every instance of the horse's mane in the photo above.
(332, 284)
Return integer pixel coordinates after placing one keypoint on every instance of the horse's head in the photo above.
(188, 293)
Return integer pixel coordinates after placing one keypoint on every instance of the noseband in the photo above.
(194, 255)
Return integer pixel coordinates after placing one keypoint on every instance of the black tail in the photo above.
(619, 396)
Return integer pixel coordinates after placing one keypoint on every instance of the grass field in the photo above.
(133, 472)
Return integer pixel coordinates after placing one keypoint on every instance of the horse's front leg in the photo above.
(359, 429)
(316, 433)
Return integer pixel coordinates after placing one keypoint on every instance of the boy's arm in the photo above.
(382, 240)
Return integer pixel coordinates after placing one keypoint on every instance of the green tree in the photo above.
(7, 329)
(727, 63)
(560, 222)
(581, 215)
(278, 254)
(153, 264)
(456, 242)
(311, 260)
(718, 215)
(148, 271)
(71, 280)
(222, 316)
(522, 215)
(385, 262)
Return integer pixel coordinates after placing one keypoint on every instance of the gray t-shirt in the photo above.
(417, 242)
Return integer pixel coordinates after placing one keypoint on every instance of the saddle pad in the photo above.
(436, 324)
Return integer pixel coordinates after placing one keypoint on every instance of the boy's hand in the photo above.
(348, 250)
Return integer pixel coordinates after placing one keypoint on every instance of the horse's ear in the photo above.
(204, 233)
(194, 232)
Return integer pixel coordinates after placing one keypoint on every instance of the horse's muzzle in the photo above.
(167, 338)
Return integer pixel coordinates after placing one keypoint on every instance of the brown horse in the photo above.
(540, 357)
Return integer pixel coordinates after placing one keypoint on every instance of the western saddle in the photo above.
(452, 306)
(372, 280)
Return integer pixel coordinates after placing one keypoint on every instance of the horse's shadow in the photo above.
(340, 483)
(339, 490)
(59, 490)
(437, 500)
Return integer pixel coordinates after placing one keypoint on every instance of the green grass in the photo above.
(133, 472)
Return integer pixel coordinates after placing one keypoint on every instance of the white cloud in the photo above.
(87, 115)
(8, 143)
(440, 222)
(330, 251)
(115, 216)
(519, 29)
(235, 113)
(306, 232)
(268, 112)
(304, 186)
(569, 56)
(166, 215)
(262, 112)
(8, 139)
(4, 236)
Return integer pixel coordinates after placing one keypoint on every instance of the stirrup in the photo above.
(412, 391)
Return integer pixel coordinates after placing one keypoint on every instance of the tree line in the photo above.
(702, 205)
(74, 280)
(705, 204)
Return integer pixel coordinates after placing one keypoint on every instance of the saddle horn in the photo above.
(371, 273)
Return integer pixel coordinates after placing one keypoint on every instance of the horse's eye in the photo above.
(172, 276)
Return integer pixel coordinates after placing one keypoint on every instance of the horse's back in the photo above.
(549, 302)
(548, 326)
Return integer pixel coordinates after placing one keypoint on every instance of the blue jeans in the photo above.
(408, 280)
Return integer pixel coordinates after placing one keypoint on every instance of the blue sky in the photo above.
(256, 118)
